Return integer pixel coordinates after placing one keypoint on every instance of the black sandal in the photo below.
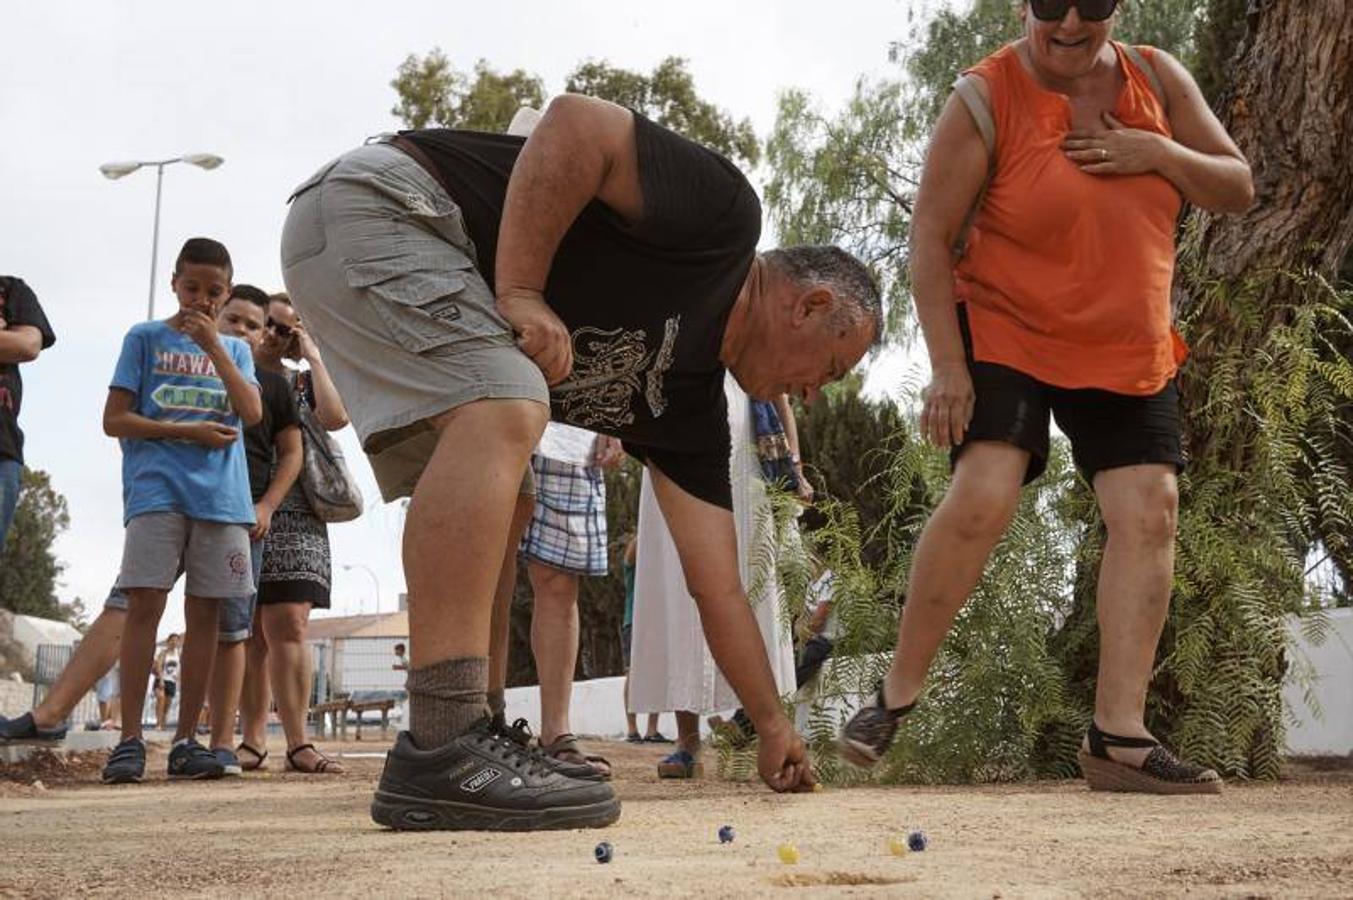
(1161, 772)
(320, 768)
(260, 756)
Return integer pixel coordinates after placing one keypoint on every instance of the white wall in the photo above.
(1331, 670)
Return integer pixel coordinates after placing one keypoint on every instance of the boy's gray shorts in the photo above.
(215, 555)
(378, 263)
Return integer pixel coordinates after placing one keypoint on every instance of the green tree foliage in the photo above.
(848, 444)
(29, 569)
(667, 95)
(433, 93)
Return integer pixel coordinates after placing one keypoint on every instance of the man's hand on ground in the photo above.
(783, 760)
(541, 334)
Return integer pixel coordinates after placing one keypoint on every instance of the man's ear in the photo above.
(813, 302)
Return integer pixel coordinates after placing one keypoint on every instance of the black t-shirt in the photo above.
(260, 441)
(18, 306)
(646, 302)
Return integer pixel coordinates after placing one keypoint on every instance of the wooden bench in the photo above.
(361, 706)
(338, 708)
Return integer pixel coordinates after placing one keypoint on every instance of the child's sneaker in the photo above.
(484, 781)
(189, 759)
(230, 763)
(869, 733)
(127, 763)
(25, 729)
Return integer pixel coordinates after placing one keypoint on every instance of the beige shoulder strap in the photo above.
(980, 110)
(1140, 61)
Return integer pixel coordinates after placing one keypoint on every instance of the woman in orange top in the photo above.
(1060, 306)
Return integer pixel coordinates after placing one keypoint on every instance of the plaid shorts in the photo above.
(568, 527)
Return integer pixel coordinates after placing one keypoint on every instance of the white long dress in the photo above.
(671, 667)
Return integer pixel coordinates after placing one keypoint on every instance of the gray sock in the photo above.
(497, 702)
(445, 699)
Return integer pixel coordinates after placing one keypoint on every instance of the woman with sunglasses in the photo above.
(1057, 304)
(296, 566)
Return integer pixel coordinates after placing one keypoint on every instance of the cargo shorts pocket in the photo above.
(303, 235)
(429, 301)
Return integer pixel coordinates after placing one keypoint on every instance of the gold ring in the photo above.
(1103, 155)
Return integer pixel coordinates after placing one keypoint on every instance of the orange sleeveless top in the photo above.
(1067, 275)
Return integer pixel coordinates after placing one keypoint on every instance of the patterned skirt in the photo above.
(296, 565)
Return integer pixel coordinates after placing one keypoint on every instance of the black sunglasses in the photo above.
(280, 329)
(1056, 10)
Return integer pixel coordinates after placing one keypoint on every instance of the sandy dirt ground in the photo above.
(281, 833)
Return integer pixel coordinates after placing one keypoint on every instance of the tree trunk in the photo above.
(1290, 110)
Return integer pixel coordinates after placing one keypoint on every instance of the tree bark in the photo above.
(1290, 110)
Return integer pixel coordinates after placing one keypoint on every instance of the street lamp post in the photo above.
(374, 580)
(119, 169)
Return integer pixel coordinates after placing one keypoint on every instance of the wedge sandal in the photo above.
(1161, 772)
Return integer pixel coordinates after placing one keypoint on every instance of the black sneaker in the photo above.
(25, 729)
(484, 781)
(520, 732)
(127, 763)
(869, 733)
(189, 759)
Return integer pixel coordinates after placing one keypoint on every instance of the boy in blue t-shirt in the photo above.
(177, 401)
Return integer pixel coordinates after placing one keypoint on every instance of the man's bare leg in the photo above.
(950, 556)
(554, 642)
(97, 654)
(500, 629)
(455, 537)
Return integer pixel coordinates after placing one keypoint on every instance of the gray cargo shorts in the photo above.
(378, 263)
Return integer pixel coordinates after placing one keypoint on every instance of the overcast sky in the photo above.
(277, 89)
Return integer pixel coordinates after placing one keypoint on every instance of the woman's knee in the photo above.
(285, 623)
(1146, 513)
(980, 508)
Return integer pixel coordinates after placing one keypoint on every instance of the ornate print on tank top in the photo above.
(611, 367)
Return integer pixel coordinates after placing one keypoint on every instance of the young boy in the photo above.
(273, 454)
(176, 402)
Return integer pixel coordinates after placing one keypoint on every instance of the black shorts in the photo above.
(170, 689)
(1106, 430)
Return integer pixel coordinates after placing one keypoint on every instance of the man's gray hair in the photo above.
(823, 265)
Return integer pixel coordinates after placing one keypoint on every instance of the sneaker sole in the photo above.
(195, 776)
(857, 754)
(1107, 775)
(420, 814)
(121, 779)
